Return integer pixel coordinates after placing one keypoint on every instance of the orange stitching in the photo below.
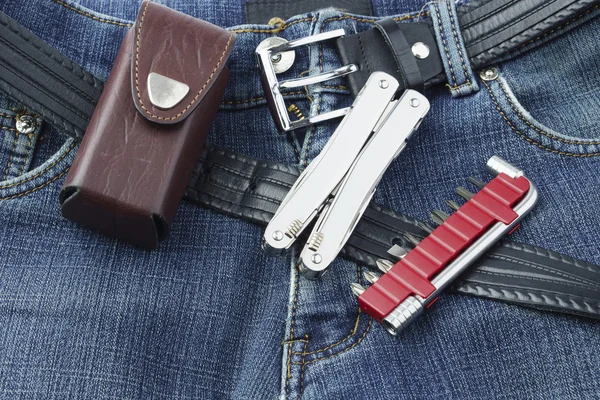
(352, 332)
(8, 128)
(302, 369)
(538, 129)
(273, 30)
(35, 189)
(458, 46)
(42, 172)
(253, 99)
(137, 59)
(340, 87)
(12, 154)
(78, 11)
(344, 350)
(458, 86)
(6, 116)
(541, 146)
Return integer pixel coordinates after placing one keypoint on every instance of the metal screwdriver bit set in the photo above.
(406, 288)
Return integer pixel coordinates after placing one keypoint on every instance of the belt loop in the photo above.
(461, 79)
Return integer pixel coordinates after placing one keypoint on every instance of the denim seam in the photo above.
(292, 324)
(89, 15)
(541, 146)
(444, 41)
(35, 189)
(581, 282)
(42, 172)
(8, 128)
(458, 46)
(12, 154)
(345, 339)
(358, 341)
(540, 131)
(303, 367)
(137, 72)
(27, 151)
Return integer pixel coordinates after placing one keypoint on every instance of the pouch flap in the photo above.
(176, 60)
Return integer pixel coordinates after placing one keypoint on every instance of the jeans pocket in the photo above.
(29, 161)
(521, 121)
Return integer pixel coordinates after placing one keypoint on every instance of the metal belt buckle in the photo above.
(270, 54)
(339, 183)
(408, 287)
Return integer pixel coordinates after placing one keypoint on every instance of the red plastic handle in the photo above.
(413, 274)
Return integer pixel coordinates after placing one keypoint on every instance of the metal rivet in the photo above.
(275, 58)
(281, 61)
(25, 123)
(489, 74)
(316, 258)
(277, 235)
(415, 103)
(420, 50)
(384, 84)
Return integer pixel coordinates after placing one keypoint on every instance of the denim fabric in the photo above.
(461, 79)
(209, 315)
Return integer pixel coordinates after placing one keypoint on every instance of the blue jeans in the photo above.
(210, 315)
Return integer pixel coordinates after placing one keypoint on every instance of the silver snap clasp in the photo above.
(26, 123)
(489, 74)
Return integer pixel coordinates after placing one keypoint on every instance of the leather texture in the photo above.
(492, 31)
(512, 272)
(40, 77)
(134, 162)
(495, 28)
(372, 51)
(192, 52)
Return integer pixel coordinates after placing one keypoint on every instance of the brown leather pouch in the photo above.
(149, 126)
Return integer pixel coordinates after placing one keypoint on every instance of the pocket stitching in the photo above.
(35, 189)
(540, 145)
(48, 168)
(551, 136)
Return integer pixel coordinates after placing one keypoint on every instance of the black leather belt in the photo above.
(64, 94)
(491, 30)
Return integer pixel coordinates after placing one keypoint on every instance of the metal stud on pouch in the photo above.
(164, 92)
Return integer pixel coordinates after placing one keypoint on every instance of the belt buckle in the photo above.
(267, 54)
